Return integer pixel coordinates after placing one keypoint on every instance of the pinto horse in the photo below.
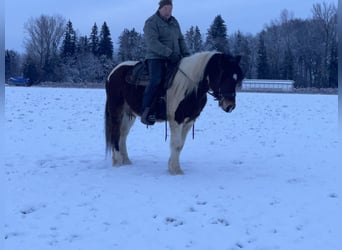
(206, 72)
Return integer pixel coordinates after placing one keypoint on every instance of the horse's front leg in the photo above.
(178, 136)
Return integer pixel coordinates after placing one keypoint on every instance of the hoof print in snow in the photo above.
(201, 203)
(220, 221)
(237, 162)
(333, 195)
(29, 210)
(192, 210)
(173, 221)
(10, 235)
(239, 245)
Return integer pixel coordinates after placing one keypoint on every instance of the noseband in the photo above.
(218, 95)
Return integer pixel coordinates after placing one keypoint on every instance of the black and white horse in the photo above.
(205, 72)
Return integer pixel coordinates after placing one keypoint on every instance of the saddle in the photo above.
(139, 75)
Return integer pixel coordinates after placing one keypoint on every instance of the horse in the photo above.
(202, 73)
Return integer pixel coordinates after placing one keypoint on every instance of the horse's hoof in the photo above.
(177, 171)
(117, 163)
(127, 162)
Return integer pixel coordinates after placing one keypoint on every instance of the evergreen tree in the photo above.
(12, 64)
(94, 40)
(83, 45)
(198, 42)
(217, 38)
(262, 63)
(105, 43)
(241, 46)
(189, 39)
(193, 39)
(333, 66)
(69, 43)
(131, 46)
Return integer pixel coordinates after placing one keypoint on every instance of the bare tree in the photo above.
(325, 19)
(44, 36)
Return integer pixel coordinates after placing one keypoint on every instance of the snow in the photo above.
(264, 177)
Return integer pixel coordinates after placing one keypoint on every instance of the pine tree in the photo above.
(12, 64)
(217, 38)
(333, 66)
(198, 42)
(94, 40)
(131, 46)
(193, 39)
(241, 46)
(189, 39)
(105, 43)
(69, 43)
(83, 45)
(262, 63)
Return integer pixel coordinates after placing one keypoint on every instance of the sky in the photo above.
(266, 176)
(244, 15)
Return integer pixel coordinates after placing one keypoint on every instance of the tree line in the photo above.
(303, 50)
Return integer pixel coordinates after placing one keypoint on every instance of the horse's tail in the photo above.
(110, 142)
(113, 111)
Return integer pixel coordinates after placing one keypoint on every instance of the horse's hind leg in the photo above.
(120, 157)
(178, 136)
(127, 122)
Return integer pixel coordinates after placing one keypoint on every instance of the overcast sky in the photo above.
(248, 16)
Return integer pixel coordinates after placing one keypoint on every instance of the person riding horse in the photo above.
(165, 48)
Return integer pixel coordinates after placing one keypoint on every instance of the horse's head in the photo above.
(224, 76)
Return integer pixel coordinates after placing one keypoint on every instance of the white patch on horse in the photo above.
(178, 136)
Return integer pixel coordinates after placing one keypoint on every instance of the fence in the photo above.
(267, 85)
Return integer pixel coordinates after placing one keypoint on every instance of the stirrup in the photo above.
(146, 118)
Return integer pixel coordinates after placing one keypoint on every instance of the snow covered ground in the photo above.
(264, 177)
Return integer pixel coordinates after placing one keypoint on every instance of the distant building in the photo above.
(267, 85)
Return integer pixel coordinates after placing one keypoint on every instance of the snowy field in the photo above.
(264, 177)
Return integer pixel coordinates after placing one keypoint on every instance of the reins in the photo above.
(193, 130)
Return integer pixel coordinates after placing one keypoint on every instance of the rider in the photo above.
(165, 47)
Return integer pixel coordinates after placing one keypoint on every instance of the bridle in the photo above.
(218, 94)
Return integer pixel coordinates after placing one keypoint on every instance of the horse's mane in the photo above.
(126, 63)
(194, 66)
(189, 74)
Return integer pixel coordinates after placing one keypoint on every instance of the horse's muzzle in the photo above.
(230, 108)
(227, 106)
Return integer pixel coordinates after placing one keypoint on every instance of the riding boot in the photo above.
(147, 118)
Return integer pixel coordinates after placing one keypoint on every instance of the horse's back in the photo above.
(120, 68)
